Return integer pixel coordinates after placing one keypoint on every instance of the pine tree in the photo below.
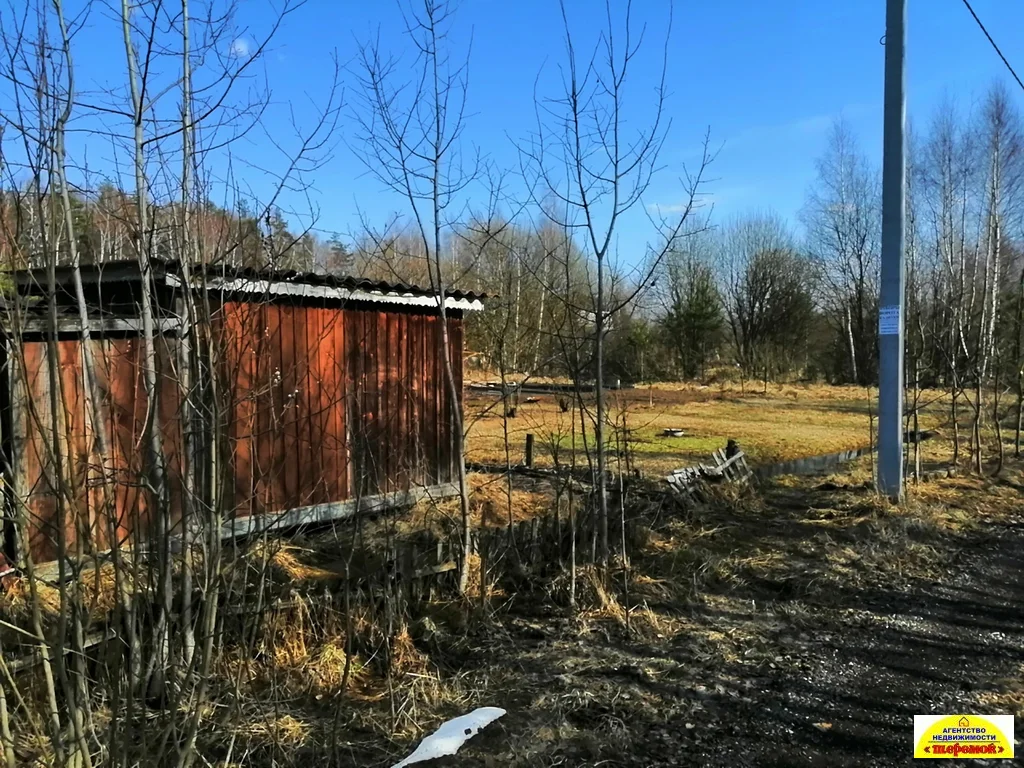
(693, 321)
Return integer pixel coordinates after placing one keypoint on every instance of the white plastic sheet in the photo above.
(447, 739)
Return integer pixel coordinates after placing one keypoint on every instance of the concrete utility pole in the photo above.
(890, 316)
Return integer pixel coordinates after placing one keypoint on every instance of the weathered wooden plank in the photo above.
(341, 485)
(354, 340)
(457, 344)
(327, 398)
(309, 413)
(406, 437)
(21, 663)
(37, 501)
(387, 323)
(432, 419)
(78, 520)
(392, 405)
(739, 456)
(417, 411)
(321, 513)
(296, 472)
(68, 326)
(246, 322)
(133, 413)
(316, 354)
(107, 359)
(271, 407)
(444, 407)
(261, 418)
(378, 386)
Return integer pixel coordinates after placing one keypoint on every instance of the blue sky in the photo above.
(767, 78)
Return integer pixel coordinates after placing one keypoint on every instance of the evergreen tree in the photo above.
(339, 260)
(693, 322)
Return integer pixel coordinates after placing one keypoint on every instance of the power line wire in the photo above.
(993, 42)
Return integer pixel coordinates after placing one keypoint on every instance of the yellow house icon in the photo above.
(964, 722)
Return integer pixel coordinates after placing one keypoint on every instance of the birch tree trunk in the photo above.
(152, 437)
(852, 344)
(1019, 363)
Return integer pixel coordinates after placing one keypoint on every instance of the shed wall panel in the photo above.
(321, 403)
(78, 515)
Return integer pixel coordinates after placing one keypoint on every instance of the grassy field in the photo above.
(789, 421)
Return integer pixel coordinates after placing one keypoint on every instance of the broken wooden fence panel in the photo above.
(685, 482)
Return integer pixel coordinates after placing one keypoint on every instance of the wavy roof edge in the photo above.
(230, 277)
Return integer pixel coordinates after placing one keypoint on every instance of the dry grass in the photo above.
(1010, 700)
(97, 593)
(492, 505)
(286, 563)
(279, 731)
(789, 552)
(788, 421)
(796, 541)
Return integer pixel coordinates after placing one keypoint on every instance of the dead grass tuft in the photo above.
(325, 667)
(1009, 700)
(274, 731)
(406, 659)
(490, 501)
(652, 625)
(594, 599)
(96, 589)
(283, 562)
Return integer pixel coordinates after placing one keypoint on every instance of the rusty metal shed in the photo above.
(329, 394)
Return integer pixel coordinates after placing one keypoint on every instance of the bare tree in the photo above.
(1003, 142)
(412, 120)
(765, 285)
(68, 224)
(841, 216)
(969, 181)
(947, 171)
(598, 167)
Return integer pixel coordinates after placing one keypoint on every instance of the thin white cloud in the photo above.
(812, 125)
(666, 209)
(240, 47)
(704, 199)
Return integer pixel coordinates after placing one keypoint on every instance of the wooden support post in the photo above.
(433, 590)
(558, 533)
(529, 450)
(482, 550)
(15, 493)
(409, 575)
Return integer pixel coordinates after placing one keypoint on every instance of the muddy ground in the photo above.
(819, 656)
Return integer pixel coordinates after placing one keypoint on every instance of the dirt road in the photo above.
(766, 674)
(877, 658)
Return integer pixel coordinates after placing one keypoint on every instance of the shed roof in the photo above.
(247, 280)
